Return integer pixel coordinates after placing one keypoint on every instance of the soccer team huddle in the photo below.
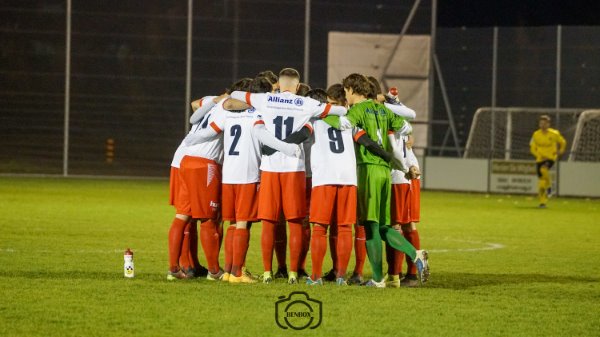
(273, 150)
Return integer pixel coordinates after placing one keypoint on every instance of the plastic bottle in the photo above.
(128, 268)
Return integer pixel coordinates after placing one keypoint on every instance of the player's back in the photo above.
(333, 161)
(242, 148)
(212, 149)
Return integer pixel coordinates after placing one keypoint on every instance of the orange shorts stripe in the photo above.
(400, 204)
(201, 179)
(240, 202)
(415, 200)
(282, 191)
(333, 204)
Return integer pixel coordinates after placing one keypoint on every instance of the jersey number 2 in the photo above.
(336, 144)
(235, 132)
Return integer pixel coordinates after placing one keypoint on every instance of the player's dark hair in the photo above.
(318, 94)
(303, 89)
(358, 83)
(260, 84)
(241, 85)
(290, 72)
(376, 86)
(544, 118)
(337, 93)
(269, 75)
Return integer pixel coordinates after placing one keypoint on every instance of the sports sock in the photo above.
(305, 246)
(295, 243)
(360, 249)
(318, 248)
(343, 249)
(229, 248)
(543, 185)
(397, 241)
(333, 237)
(175, 241)
(219, 229)
(194, 244)
(374, 249)
(209, 237)
(413, 238)
(266, 243)
(390, 259)
(184, 256)
(241, 240)
(281, 244)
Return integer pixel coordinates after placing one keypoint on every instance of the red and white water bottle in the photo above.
(128, 269)
(393, 93)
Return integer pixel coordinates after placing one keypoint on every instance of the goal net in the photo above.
(586, 142)
(504, 133)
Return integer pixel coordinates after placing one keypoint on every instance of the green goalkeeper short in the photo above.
(374, 193)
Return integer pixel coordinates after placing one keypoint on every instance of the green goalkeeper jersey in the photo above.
(376, 120)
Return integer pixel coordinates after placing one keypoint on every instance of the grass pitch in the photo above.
(500, 267)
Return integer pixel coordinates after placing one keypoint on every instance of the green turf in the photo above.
(61, 267)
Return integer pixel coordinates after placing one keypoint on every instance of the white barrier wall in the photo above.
(579, 179)
(456, 174)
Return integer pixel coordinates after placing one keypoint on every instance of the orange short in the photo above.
(401, 204)
(333, 204)
(415, 200)
(201, 180)
(240, 202)
(282, 190)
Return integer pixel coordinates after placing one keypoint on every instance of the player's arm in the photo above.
(297, 137)
(401, 110)
(268, 139)
(533, 147)
(413, 164)
(363, 139)
(209, 132)
(399, 124)
(201, 107)
(562, 144)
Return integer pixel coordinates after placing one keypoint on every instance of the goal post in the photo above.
(586, 141)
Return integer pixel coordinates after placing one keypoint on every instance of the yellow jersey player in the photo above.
(546, 146)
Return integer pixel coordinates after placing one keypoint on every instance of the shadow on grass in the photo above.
(461, 281)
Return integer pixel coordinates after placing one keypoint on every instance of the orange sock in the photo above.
(318, 247)
(305, 246)
(184, 255)
(360, 248)
(240, 248)
(194, 244)
(210, 244)
(175, 241)
(415, 240)
(295, 243)
(229, 248)
(281, 244)
(267, 242)
(343, 248)
(333, 237)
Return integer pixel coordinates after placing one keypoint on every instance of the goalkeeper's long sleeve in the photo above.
(297, 137)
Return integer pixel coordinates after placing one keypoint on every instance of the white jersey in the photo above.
(241, 146)
(332, 159)
(399, 177)
(179, 153)
(285, 113)
(212, 149)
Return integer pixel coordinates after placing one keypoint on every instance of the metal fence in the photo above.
(90, 87)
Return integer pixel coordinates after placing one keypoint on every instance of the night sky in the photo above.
(471, 13)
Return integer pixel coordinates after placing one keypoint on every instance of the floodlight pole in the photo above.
(306, 42)
(67, 91)
(188, 70)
